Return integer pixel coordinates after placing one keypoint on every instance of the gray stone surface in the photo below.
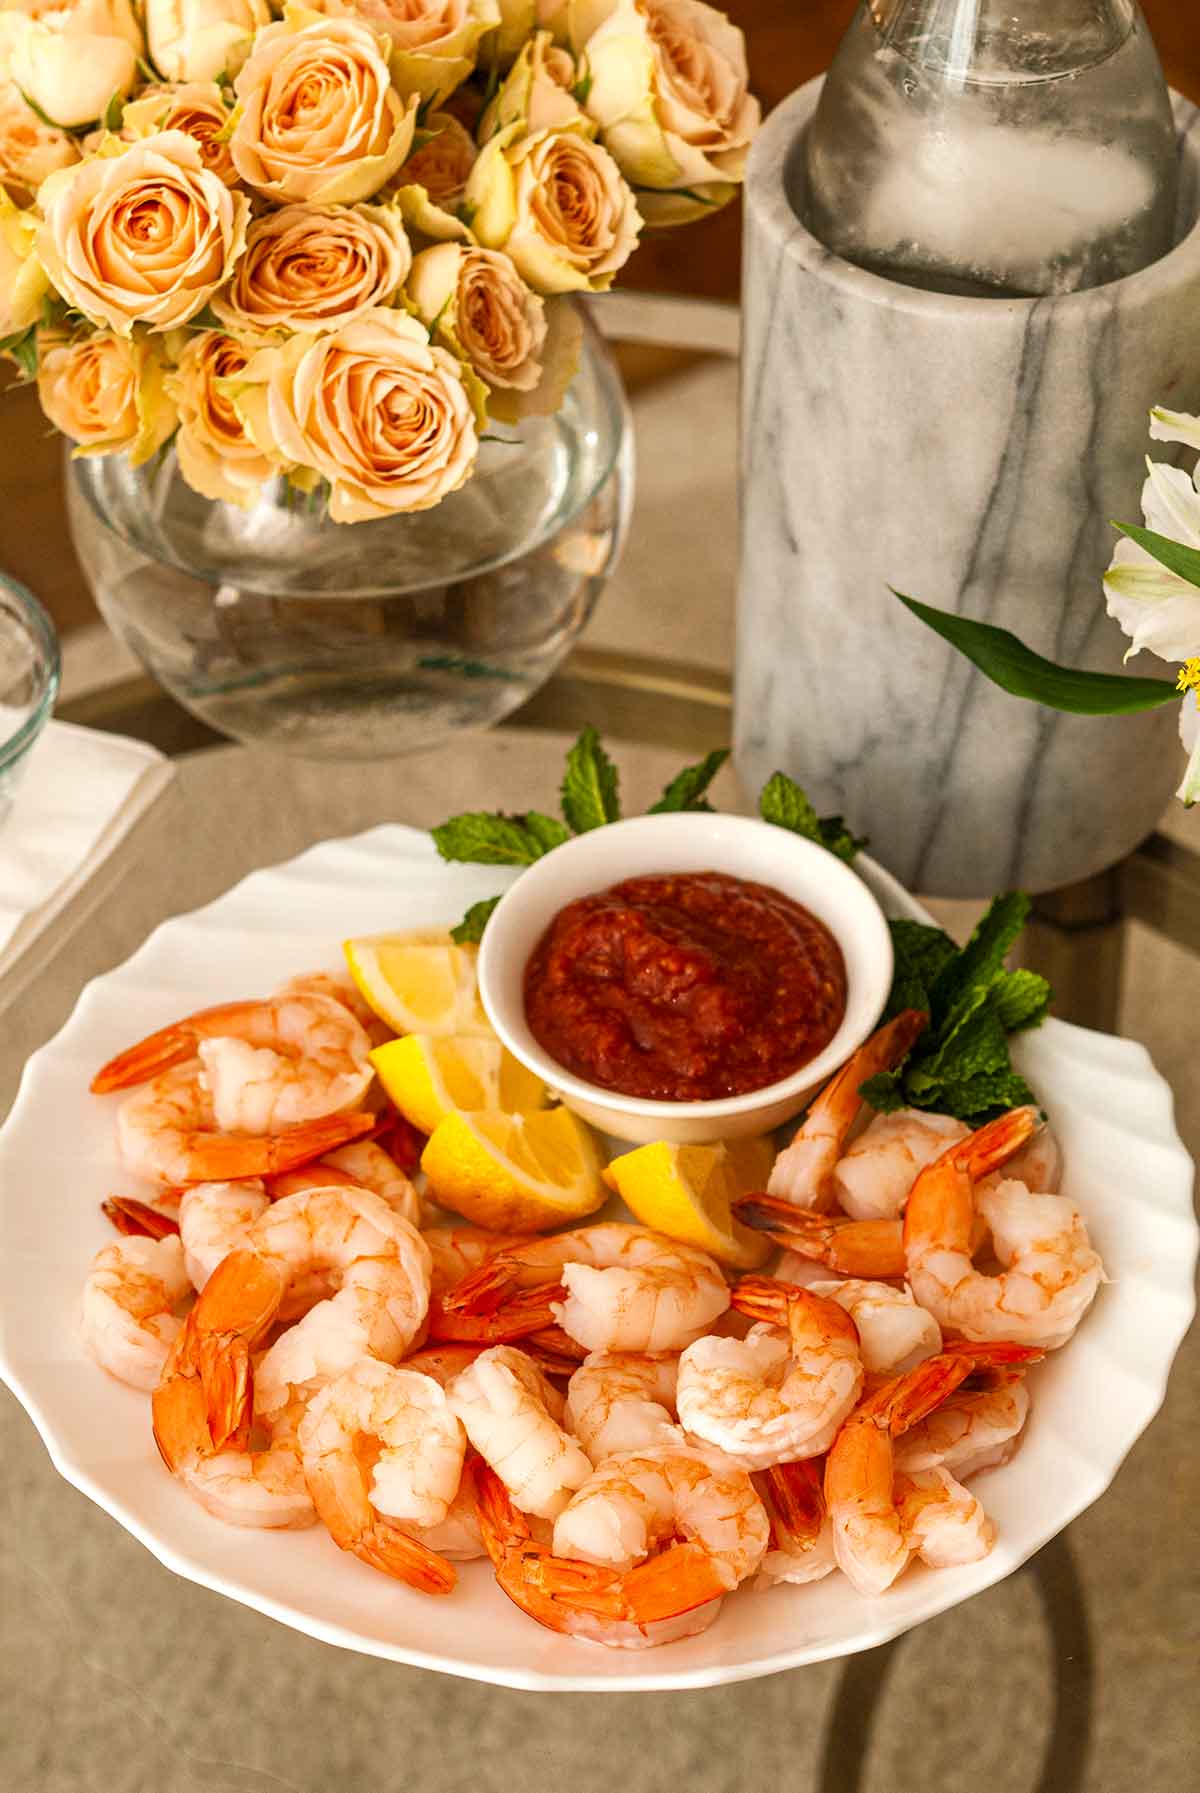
(971, 453)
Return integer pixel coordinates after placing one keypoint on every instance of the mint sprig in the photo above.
(961, 1064)
(590, 787)
(591, 797)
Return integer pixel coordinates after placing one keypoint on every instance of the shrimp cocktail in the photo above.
(361, 1272)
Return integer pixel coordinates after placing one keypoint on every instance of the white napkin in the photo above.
(82, 793)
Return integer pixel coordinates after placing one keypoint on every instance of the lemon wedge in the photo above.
(419, 983)
(428, 1078)
(514, 1172)
(686, 1191)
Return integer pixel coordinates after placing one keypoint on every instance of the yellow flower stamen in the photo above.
(1189, 678)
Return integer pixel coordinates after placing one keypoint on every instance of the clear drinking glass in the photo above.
(994, 148)
(29, 667)
(365, 640)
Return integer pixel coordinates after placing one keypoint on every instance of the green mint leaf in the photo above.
(982, 958)
(990, 1093)
(486, 839)
(23, 350)
(884, 1092)
(1173, 555)
(470, 929)
(686, 790)
(835, 835)
(921, 953)
(1005, 659)
(548, 831)
(785, 804)
(590, 795)
(1022, 999)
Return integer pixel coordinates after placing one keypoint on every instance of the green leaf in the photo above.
(783, 803)
(467, 213)
(1173, 555)
(111, 118)
(470, 929)
(1022, 999)
(485, 839)
(686, 790)
(835, 835)
(23, 350)
(921, 952)
(1018, 670)
(582, 87)
(590, 795)
(981, 960)
(34, 107)
(548, 831)
(884, 1092)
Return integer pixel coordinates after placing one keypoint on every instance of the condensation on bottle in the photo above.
(993, 148)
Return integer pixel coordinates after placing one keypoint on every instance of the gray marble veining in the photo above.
(970, 452)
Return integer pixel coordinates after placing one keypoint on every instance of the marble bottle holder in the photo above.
(970, 452)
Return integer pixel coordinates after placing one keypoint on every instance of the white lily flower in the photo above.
(1158, 609)
(1189, 732)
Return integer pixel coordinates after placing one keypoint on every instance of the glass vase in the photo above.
(366, 640)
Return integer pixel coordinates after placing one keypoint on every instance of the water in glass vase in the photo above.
(994, 148)
(360, 641)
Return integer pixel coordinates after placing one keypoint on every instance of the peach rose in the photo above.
(105, 392)
(538, 93)
(557, 204)
(433, 42)
(478, 302)
(442, 165)
(668, 87)
(312, 267)
(192, 40)
(196, 108)
(216, 456)
(374, 408)
(29, 149)
(71, 57)
(318, 118)
(143, 237)
(23, 284)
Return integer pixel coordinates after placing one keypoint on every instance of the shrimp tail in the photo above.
(992, 1146)
(529, 1311)
(393, 1552)
(993, 1354)
(786, 1304)
(226, 1158)
(869, 1248)
(482, 1290)
(134, 1218)
(168, 1047)
(797, 1493)
(203, 1400)
(675, 1581)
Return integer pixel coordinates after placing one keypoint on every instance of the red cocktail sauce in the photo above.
(685, 987)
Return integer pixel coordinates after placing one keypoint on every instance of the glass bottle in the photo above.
(997, 148)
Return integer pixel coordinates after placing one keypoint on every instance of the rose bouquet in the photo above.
(331, 246)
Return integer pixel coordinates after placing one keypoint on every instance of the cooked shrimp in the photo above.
(865, 1248)
(458, 1250)
(215, 1219)
(443, 1362)
(378, 1266)
(875, 1173)
(978, 1428)
(801, 1531)
(1051, 1275)
(268, 1065)
(894, 1334)
(623, 1401)
(1038, 1165)
(128, 1314)
(870, 1542)
(138, 1219)
(381, 1450)
(360, 1165)
(781, 1393)
(511, 1415)
(345, 991)
(202, 1404)
(169, 1134)
(676, 1594)
(804, 1170)
(941, 1521)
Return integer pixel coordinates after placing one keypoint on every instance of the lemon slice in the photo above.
(428, 1078)
(686, 1191)
(514, 1172)
(419, 983)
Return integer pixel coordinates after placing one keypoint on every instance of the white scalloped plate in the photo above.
(1125, 1165)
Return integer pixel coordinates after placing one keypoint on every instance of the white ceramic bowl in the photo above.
(686, 842)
